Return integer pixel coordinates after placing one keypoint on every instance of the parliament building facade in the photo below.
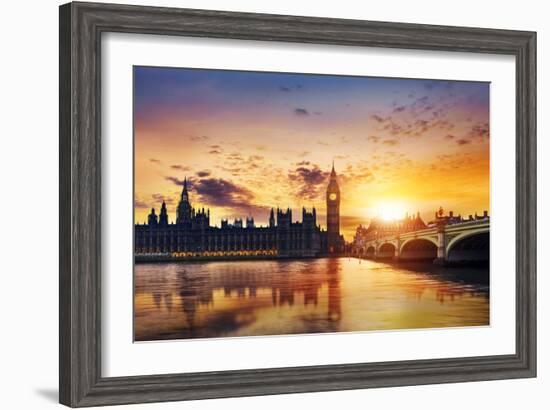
(191, 235)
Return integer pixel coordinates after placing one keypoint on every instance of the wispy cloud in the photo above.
(140, 204)
(220, 192)
(203, 174)
(479, 131)
(180, 167)
(308, 180)
(390, 142)
(301, 112)
(174, 180)
(159, 198)
(197, 138)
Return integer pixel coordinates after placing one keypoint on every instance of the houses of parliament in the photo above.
(192, 237)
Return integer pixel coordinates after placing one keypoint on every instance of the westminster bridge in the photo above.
(461, 242)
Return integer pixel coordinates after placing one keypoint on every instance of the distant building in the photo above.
(379, 228)
(192, 236)
(451, 218)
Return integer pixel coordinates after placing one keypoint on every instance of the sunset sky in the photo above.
(249, 141)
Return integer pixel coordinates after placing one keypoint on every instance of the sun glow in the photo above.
(391, 211)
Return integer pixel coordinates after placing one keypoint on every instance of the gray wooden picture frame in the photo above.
(81, 27)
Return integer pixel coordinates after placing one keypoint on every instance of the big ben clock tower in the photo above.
(333, 214)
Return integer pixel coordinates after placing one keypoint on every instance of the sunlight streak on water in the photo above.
(274, 297)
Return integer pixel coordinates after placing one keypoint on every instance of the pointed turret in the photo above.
(152, 218)
(272, 219)
(184, 212)
(163, 217)
(184, 192)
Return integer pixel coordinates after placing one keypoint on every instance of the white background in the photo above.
(28, 161)
(122, 358)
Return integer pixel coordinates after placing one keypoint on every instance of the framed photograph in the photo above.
(261, 204)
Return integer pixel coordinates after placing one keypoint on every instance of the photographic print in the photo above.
(273, 203)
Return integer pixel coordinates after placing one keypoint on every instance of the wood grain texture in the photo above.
(81, 26)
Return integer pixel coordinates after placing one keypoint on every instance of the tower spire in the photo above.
(185, 211)
(333, 213)
(184, 193)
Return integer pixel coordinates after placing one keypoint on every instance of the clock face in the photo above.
(332, 197)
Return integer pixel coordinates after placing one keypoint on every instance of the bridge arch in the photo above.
(370, 252)
(463, 236)
(426, 238)
(472, 246)
(418, 248)
(386, 250)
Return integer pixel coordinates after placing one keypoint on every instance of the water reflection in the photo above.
(218, 299)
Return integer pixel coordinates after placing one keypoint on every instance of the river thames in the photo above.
(276, 297)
